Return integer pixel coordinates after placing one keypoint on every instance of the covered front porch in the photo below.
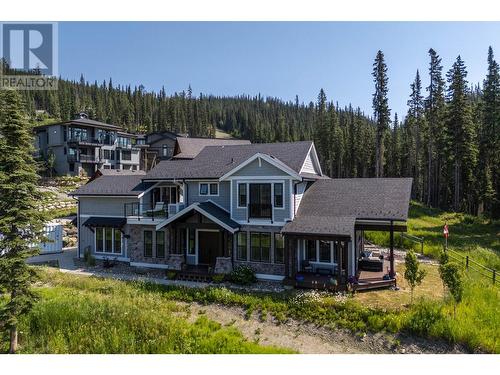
(203, 234)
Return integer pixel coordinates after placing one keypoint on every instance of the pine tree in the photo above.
(435, 136)
(416, 123)
(461, 129)
(20, 221)
(381, 110)
(489, 140)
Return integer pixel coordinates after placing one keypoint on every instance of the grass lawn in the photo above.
(78, 314)
(474, 236)
(430, 289)
(88, 315)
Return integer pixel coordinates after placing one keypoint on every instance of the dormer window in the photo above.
(278, 195)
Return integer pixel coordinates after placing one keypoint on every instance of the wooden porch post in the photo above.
(293, 254)
(286, 256)
(391, 272)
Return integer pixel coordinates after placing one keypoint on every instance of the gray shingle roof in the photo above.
(114, 184)
(189, 148)
(84, 122)
(331, 206)
(215, 161)
(220, 214)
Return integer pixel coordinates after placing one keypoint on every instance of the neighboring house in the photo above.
(189, 148)
(83, 146)
(166, 145)
(267, 206)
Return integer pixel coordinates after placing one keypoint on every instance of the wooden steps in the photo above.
(373, 284)
(194, 276)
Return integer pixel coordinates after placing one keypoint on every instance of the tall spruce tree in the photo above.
(381, 110)
(21, 223)
(461, 130)
(415, 122)
(489, 135)
(435, 135)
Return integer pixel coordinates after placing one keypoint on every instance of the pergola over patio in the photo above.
(340, 210)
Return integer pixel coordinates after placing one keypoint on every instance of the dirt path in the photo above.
(310, 339)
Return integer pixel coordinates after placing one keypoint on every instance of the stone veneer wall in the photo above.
(136, 249)
(264, 268)
(223, 265)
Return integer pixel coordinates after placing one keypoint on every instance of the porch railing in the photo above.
(158, 211)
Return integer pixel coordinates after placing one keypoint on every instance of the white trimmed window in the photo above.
(209, 188)
(108, 240)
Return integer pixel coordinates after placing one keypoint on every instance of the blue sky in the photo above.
(280, 59)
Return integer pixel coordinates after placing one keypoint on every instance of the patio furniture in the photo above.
(371, 261)
(158, 208)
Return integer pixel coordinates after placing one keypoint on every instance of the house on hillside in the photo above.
(165, 145)
(82, 146)
(268, 206)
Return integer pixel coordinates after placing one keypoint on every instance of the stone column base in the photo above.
(223, 265)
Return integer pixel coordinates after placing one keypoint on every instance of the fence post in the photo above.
(494, 276)
(466, 262)
(422, 246)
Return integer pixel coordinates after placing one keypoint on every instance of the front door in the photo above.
(208, 246)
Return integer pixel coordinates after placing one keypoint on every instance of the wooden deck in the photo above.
(368, 280)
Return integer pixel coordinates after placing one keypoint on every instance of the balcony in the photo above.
(147, 212)
(83, 159)
(260, 211)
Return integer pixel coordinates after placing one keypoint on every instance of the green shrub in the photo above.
(171, 275)
(422, 317)
(89, 258)
(218, 278)
(243, 275)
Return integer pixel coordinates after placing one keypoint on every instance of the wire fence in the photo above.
(468, 263)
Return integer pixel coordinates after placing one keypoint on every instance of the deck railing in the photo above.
(147, 211)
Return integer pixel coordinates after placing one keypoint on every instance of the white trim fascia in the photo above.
(90, 215)
(273, 161)
(264, 276)
(260, 223)
(149, 265)
(260, 178)
(148, 190)
(104, 196)
(314, 158)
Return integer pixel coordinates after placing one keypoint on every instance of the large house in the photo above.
(267, 206)
(82, 146)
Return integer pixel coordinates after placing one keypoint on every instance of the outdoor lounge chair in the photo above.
(158, 208)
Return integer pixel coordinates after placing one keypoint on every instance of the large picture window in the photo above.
(260, 201)
(241, 243)
(108, 240)
(260, 245)
(279, 248)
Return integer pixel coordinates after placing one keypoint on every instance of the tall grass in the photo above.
(89, 315)
(86, 315)
(474, 236)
